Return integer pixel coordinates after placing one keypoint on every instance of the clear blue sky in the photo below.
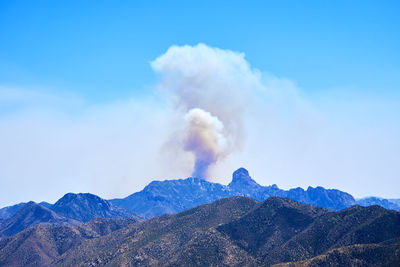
(75, 77)
(101, 49)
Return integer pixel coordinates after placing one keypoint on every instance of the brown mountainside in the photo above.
(41, 244)
(236, 231)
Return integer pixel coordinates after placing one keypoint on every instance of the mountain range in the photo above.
(234, 231)
(172, 196)
(71, 209)
(170, 223)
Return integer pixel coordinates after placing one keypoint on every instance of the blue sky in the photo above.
(71, 71)
(102, 50)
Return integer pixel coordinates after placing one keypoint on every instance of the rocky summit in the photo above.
(172, 196)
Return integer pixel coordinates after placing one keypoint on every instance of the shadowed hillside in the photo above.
(86, 230)
(239, 231)
(236, 231)
(31, 214)
(41, 244)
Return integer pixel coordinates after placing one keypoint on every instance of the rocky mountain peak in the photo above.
(241, 177)
(84, 207)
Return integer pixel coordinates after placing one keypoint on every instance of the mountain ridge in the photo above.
(71, 209)
(172, 196)
(239, 231)
(85, 206)
(233, 231)
(29, 215)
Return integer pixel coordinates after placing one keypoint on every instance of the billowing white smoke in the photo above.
(204, 137)
(212, 87)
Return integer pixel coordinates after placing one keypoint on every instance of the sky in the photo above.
(93, 94)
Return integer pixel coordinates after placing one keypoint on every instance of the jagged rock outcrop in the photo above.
(172, 196)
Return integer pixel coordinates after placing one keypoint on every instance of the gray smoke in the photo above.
(204, 137)
(210, 87)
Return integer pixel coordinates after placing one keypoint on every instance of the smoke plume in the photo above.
(210, 88)
(204, 137)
